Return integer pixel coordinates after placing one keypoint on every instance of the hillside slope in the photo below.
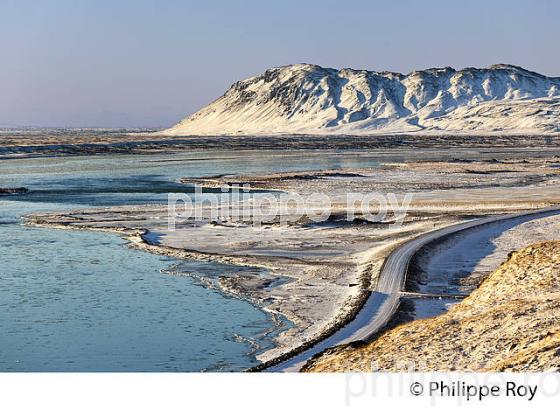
(309, 99)
(511, 322)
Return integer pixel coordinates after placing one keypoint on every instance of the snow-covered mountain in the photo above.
(309, 99)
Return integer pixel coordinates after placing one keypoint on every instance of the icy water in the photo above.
(84, 301)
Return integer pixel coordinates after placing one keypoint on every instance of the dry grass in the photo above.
(511, 322)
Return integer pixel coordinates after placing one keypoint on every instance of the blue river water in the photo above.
(85, 301)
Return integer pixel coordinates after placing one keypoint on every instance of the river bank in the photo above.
(318, 274)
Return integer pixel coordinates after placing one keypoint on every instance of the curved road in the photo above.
(384, 301)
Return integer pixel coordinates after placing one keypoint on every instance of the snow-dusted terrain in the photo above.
(306, 98)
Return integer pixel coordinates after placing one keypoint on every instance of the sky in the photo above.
(149, 63)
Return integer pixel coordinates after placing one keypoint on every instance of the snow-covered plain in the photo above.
(317, 273)
(309, 99)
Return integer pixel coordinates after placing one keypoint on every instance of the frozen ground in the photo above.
(319, 274)
(449, 268)
(458, 264)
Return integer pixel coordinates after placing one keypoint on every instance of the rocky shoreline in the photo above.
(138, 238)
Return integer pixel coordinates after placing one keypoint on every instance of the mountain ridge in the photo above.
(310, 99)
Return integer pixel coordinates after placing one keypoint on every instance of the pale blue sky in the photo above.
(148, 63)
